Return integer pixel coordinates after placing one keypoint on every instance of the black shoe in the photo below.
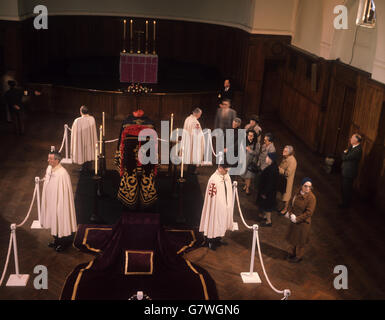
(290, 256)
(204, 243)
(265, 224)
(59, 248)
(52, 244)
(212, 246)
(295, 260)
(220, 242)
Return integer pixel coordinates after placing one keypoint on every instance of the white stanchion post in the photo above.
(66, 160)
(251, 276)
(235, 186)
(36, 224)
(207, 150)
(16, 280)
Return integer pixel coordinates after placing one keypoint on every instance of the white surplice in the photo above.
(83, 139)
(193, 142)
(57, 204)
(217, 212)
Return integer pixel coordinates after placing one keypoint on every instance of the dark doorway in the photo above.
(271, 88)
(341, 104)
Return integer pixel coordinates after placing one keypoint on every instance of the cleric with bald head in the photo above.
(193, 143)
(57, 204)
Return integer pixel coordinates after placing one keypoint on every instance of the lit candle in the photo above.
(172, 122)
(104, 125)
(177, 141)
(96, 159)
(131, 29)
(146, 30)
(181, 167)
(154, 29)
(124, 28)
(101, 138)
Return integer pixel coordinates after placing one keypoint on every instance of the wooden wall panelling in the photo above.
(369, 120)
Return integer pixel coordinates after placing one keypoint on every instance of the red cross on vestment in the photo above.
(212, 190)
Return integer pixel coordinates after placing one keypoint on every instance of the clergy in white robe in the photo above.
(83, 137)
(217, 212)
(57, 204)
(193, 142)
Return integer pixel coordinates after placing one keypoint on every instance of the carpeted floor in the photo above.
(352, 238)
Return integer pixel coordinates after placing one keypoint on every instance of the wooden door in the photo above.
(339, 117)
(271, 88)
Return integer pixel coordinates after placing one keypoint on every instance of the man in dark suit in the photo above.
(350, 162)
(226, 92)
(225, 116)
(14, 99)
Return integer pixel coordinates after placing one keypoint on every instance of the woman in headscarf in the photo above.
(300, 211)
(267, 191)
(252, 151)
(254, 125)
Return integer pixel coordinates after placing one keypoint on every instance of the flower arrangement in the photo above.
(137, 88)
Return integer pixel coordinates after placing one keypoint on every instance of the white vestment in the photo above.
(217, 212)
(193, 142)
(83, 139)
(57, 204)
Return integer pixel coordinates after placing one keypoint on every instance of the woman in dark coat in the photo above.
(252, 151)
(300, 211)
(268, 188)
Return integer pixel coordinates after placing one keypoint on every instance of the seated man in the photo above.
(57, 204)
(83, 137)
(137, 185)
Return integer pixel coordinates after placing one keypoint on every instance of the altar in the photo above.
(138, 68)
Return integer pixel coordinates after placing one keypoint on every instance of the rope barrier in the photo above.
(110, 141)
(64, 139)
(12, 239)
(30, 208)
(211, 143)
(239, 207)
(286, 293)
(7, 260)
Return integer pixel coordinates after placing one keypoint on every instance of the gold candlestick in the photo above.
(154, 38)
(104, 125)
(146, 50)
(181, 167)
(172, 122)
(131, 36)
(124, 35)
(101, 138)
(96, 159)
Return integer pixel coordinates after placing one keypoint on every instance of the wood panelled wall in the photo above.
(235, 53)
(117, 105)
(73, 37)
(346, 101)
